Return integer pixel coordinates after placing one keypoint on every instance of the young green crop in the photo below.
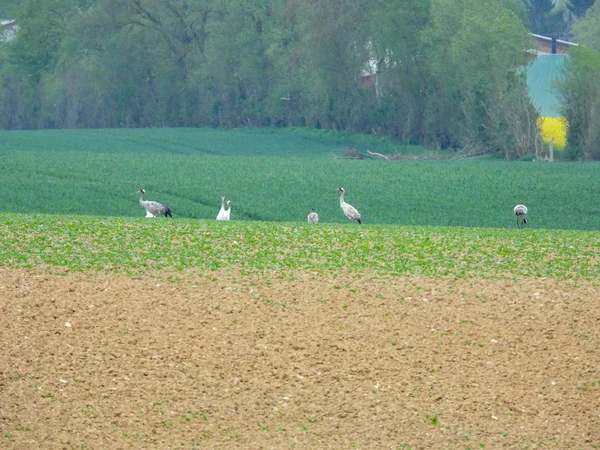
(276, 176)
(126, 245)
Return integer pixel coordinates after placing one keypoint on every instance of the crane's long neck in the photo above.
(342, 198)
(141, 194)
(222, 202)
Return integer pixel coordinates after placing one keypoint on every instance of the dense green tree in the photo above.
(519, 8)
(243, 63)
(580, 87)
(475, 51)
(398, 61)
(580, 91)
(579, 7)
(33, 53)
(587, 29)
(438, 72)
(9, 8)
(334, 53)
(543, 18)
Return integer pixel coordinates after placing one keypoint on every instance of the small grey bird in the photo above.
(521, 211)
(313, 217)
(153, 208)
(349, 210)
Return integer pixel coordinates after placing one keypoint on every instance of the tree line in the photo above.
(441, 73)
(580, 87)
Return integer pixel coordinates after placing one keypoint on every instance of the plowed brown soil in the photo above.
(246, 361)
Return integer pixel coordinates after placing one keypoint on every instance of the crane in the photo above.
(521, 211)
(349, 210)
(153, 208)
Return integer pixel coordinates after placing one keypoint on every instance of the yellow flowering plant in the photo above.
(553, 126)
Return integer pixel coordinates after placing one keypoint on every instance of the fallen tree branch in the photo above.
(377, 154)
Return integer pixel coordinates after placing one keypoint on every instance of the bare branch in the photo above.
(377, 154)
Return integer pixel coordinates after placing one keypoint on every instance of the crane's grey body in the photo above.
(313, 217)
(521, 211)
(153, 208)
(222, 213)
(349, 211)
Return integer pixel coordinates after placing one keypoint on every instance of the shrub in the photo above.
(553, 126)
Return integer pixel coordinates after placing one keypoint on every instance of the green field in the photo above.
(437, 291)
(279, 175)
(133, 246)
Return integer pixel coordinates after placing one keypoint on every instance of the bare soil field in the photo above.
(231, 360)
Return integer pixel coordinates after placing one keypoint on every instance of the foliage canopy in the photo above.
(435, 72)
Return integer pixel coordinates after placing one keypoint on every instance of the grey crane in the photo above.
(521, 211)
(349, 210)
(313, 217)
(153, 208)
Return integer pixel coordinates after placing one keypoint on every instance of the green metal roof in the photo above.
(541, 75)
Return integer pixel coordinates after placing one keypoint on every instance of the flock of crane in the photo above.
(154, 208)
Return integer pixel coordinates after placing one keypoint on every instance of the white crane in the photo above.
(153, 208)
(349, 210)
(228, 211)
(313, 217)
(521, 211)
(222, 213)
